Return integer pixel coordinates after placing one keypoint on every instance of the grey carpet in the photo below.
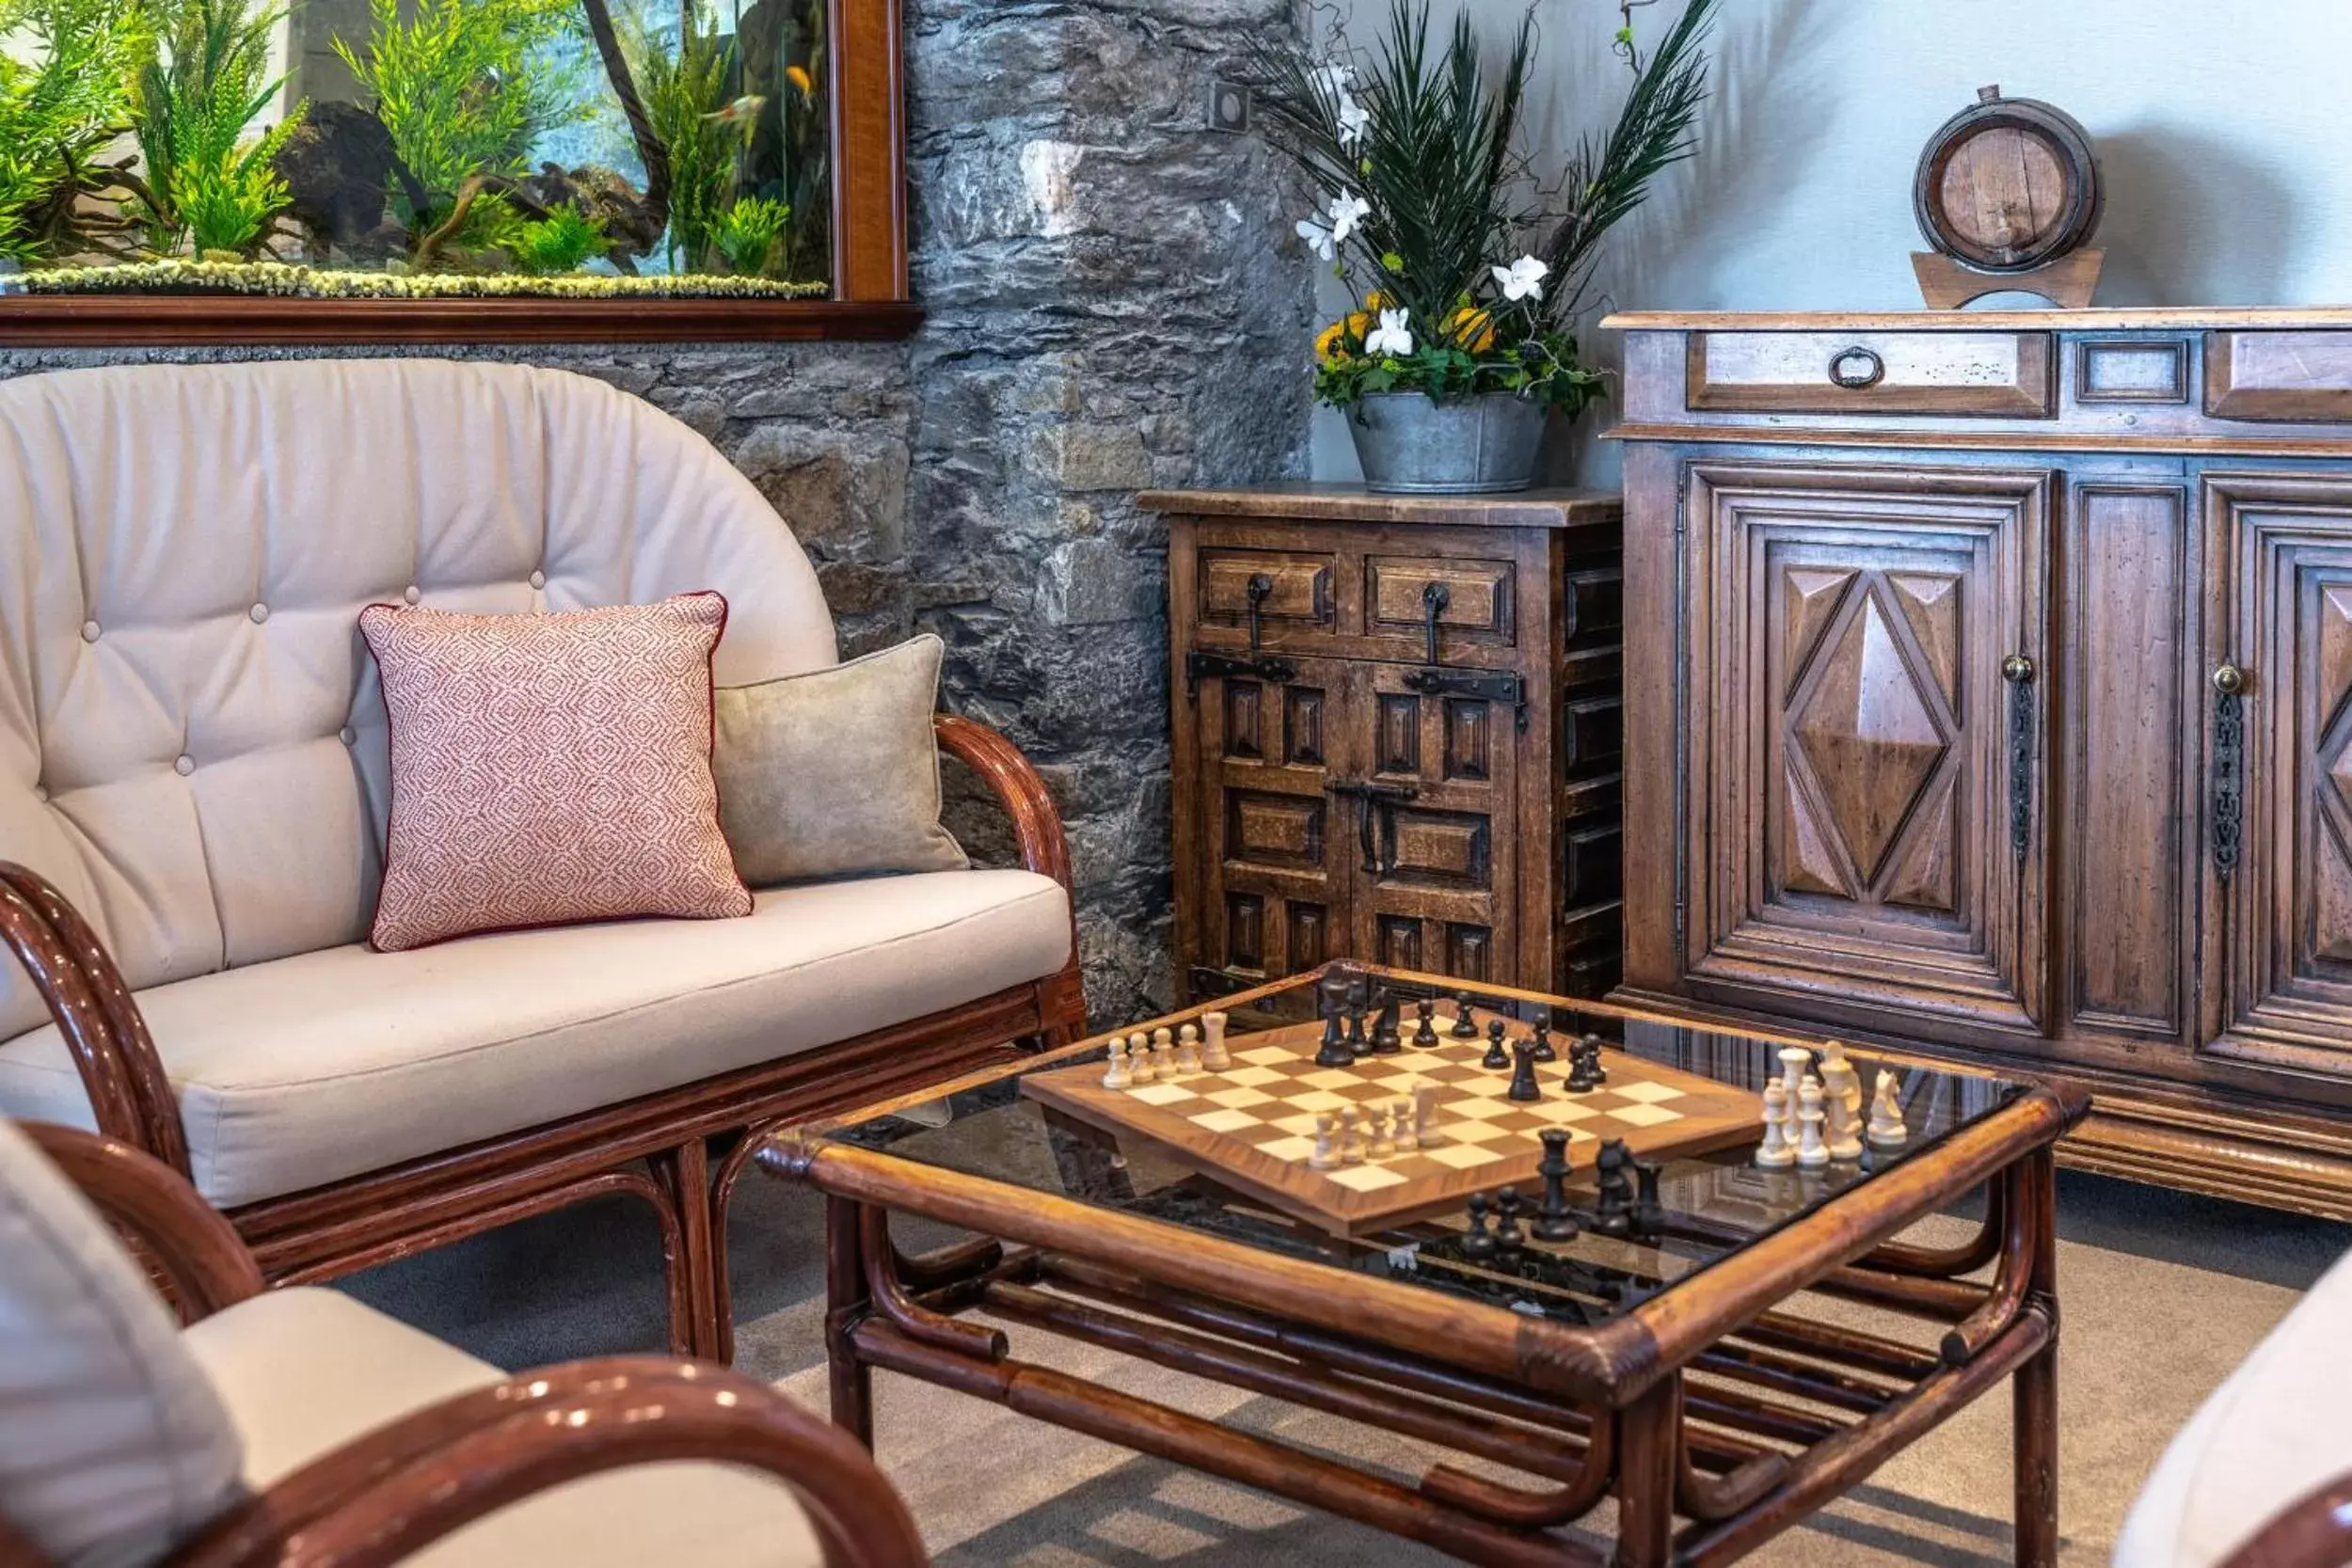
(2163, 1294)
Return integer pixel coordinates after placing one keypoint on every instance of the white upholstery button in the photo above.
(260, 613)
(183, 765)
(40, 793)
(538, 579)
(350, 737)
(410, 594)
(89, 631)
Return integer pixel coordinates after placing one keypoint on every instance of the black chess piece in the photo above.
(1544, 1051)
(1614, 1215)
(1495, 1057)
(1649, 1215)
(1465, 1023)
(1387, 1039)
(1584, 1074)
(1334, 1051)
(1523, 1084)
(1425, 1031)
(1510, 1241)
(1556, 1222)
(1357, 1042)
(1477, 1242)
(1592, 1059)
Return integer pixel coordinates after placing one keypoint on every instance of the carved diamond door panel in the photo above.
(1434, 843)
(1869, 790)
(1276, 841)
(2287, 877)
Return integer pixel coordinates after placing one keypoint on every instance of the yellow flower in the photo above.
(1472, 329)
(1332, 340)
(800, 79)
(1378, 301)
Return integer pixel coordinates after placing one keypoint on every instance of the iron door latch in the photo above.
(1375, 819)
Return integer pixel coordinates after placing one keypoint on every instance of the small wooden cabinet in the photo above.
(1396, 735)
(1989, 690)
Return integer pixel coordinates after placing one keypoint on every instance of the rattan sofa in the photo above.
(193, 788)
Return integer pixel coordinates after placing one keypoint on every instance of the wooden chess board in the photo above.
(1252, 1127)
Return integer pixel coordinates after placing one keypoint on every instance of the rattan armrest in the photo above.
(200, 1254)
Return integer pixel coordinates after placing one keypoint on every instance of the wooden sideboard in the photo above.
(1989, 684)
(1396, 734)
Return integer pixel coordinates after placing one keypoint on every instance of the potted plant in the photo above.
(1469, 264)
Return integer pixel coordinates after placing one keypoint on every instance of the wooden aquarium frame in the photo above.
(871, 300)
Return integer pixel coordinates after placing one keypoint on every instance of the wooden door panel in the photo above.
(1851, 772)
(1435, 868)
(2289, 896)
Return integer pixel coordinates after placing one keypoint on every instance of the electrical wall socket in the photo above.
(1229, 106)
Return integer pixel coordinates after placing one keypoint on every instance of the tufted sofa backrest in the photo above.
(192, 741)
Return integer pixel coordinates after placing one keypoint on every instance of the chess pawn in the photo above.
(1426, 1029)
(1510, 1241)
(1465, 1023)
(1496, 1056)
(1212, 1053)
(1886, 1115)
(1163, 1056)
(1545, 1051)
(1774, 1152)
(1118, 1077)
(1478, 1242)
(1383, 1136)
(1187, 1050)
(1812, 1153)
(1408, 1134)
(1424, 1114)
(1840, 1131)
(1139, 1064)
(1351, 1137)
(1327, 1153)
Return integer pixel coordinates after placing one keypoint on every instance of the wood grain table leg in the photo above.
(2036, 1383)
(1649, 1446)
(848, 1302)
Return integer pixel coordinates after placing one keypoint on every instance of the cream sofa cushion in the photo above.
(2277, 1428)
(113, 1446)
(341, 1061)
(191, 742)
(303, 1371)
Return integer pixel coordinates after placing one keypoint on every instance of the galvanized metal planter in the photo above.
(1411, 446)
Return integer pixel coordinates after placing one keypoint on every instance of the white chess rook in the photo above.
(1212, 1053)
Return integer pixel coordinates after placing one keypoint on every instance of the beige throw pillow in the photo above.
(835, 773)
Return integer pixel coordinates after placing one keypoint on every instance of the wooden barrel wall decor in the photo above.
(2007, 185)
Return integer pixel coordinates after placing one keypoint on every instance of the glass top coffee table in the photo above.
(1384, 1234)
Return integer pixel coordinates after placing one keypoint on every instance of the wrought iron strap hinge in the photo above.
(1200, 664)
(1494, 686)
(2229, 767)
(2019, 672)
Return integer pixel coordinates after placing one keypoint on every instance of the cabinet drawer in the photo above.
(1477, 600)
(1292, 589)
(2278, 375)
(1853, 373)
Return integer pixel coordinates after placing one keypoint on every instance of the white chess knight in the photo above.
(1139, 1058)
(1886, 1115)
(1839, 1077)
(1118, 1077)
(1774, 1152)
(1812, 1153)
(1841, 1129)
(1214, 1056)
(1188, 1050)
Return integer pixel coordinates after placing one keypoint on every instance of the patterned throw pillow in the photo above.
(549, 769)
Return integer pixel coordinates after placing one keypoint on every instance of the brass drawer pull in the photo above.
(1856, 368)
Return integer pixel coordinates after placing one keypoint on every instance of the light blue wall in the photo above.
(2224, 128)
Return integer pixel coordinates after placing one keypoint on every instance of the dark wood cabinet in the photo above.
(1396, 735)
(2008, 714)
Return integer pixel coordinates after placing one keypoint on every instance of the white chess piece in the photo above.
(1775, 1154)
(1839, 1074)
(1163, 1058)
(1886, 1115)
(1408, 1134)
(1351, 1137)
(1812, 1153)
(1796, 1062)
(1188, 1050)
(1140, 1057)
(1118, 1077)
(1327, 1153)
(1383, 1132)
(1424, 1114)
(1840, 1128)
(1212, 1053)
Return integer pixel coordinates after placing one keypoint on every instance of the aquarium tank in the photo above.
(386, 148)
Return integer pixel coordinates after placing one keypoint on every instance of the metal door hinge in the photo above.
(1200, 664)
(1494, 686)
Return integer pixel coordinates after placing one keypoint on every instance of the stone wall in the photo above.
(1109, 309)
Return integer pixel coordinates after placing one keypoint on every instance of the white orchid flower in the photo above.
(1319, 239)
(1346, 211)
(1393, 338)
(1522, 279)
(1333, 80)
(1353, 121)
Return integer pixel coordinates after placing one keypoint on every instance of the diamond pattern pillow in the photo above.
(549, 769)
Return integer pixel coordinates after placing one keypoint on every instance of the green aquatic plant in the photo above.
(65, 90)
(748, 233)
(285, 281)
(702, 129)
(564, 241)
(207, 184)
(463, 87)
(806, 149)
